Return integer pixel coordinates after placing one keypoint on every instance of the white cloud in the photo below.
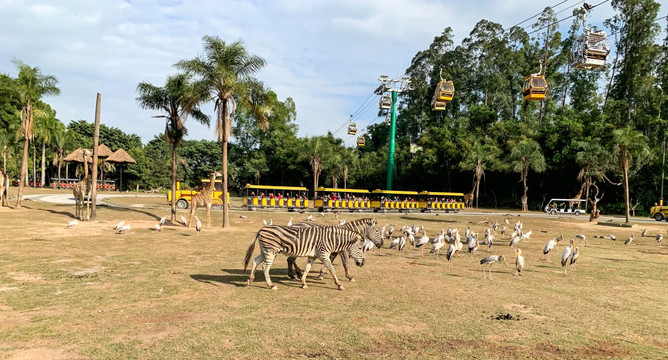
(325, 54)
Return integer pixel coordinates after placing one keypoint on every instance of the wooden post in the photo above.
(96, 143)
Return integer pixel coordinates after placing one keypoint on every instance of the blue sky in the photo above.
(326, 55)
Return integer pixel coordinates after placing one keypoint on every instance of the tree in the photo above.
(46, 127)
(178, 99)
(30, 86)
(632, 153)
(477, 159)
(227, 71)
(526, 155)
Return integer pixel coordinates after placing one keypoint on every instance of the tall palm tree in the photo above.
(526, 155)
(178, 99)
(632, 153)
(30, 86)
(46, 126)
(228, 71)
(59, 139)
(477, 159)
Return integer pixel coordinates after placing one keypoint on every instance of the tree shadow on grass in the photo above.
(417, 219)
(109, 208)
(64, 213)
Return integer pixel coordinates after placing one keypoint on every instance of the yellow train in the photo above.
(269, 197)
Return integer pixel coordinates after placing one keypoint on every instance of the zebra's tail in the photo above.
(249, 252)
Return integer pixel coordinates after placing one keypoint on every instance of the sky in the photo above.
(326, 55)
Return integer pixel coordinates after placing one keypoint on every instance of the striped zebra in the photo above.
(360, 226)
(312, 242)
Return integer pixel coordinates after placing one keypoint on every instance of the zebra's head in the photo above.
(357, 251)
(372, 233)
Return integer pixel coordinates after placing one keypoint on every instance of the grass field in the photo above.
(87, 292)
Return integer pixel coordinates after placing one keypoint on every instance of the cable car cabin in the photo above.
(534, 88)
(184, 196)
(334, 199)
(437, 105)
(445, 91)
(431, 201)
(390, 200)
(352, 129)
(278, 197)
(385, 102)
(361, 141)
(590, 50)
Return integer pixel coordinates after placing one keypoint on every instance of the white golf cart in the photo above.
(566, 207)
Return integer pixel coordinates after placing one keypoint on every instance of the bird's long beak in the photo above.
(504, 262)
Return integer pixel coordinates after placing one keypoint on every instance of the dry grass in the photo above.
(87, 292)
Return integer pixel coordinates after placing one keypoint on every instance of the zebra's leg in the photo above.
(346, 265)
(292, 268)
(256, 261)
(268, 260)
(306, 270)
(328, 264)
(331, 258)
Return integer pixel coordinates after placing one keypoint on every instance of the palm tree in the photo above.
(524, 156)
(631, 150)
(30, 86)
(315, 159)
(594, 160)
(59, 139)
(46, 126)
(178, 99)
(477, 159)
(228, 73)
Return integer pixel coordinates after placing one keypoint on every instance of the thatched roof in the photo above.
(103, 151)
(77, 155)
(121, 156)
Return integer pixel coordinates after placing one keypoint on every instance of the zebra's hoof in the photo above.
(304, 286)
(352, 279)
(340, 287)
(274, 287)
(249, 281)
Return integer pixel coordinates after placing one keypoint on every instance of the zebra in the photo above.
(359, 226)
(308, 242)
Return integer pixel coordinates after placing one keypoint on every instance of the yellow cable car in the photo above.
(437, 105)
(361, 141)
(445, 91)
(385, 102)
(352, 129)
(590, 50)
(535, 87)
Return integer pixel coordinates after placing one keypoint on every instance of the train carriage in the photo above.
(344, 199)
(441, 201)
(275, 197)
(390, 200)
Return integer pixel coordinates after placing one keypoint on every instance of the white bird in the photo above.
(566, 255)
(342, 221)
(390, 230)
(450, 253)
(519, 262)
(184, 221)
(659, 238)
(643, 233)
(628, 241)
(395, 242)
(72, 223)
(559, 238)
(157, 227)
(162, 221)
(458, 243)
(411, 239)
(124, 228)
(323, 214)
(309, 218)
(118, 226)
(514, 241)
(198, 225)
(495, 226)
(574, 256)
(489, 261)
(487, 232)
(612, 237)
(526, 235)
(242, 216)
(547, 250)
(467, 232)
(368, 245)
(290, 222)
(439, 238)
(265, 222)
(507, 221)
(436, 248)
(473, 244)
(402, 243)
(490, 242)
(422, 241)
(503, 230)
(582, 237)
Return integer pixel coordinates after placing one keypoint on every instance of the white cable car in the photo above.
(361, 141)
(352, 129)
(590, 50)
(385, 102)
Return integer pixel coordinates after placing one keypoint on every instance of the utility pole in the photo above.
(394, 86)
(96, 143)
(663, 165)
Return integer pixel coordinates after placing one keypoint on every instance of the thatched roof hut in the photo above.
(77, 155)
(121, 156)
